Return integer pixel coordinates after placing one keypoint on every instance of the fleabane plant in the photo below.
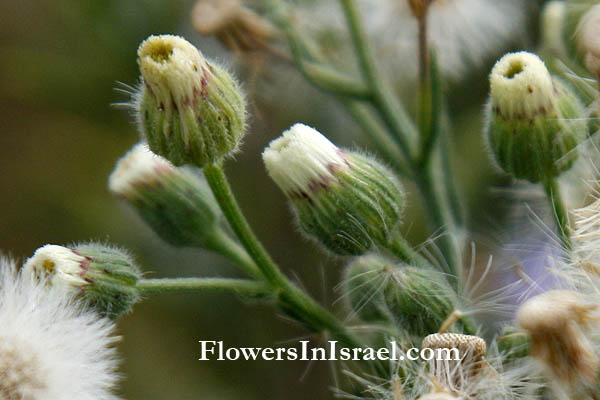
(192, 115)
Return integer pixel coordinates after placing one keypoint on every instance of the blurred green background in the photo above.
(60, 61)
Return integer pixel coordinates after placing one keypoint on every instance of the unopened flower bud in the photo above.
(588, 39)
(345, 200)
(190, 110)
(104, 277)
(534, 121)
(365, 278)
(420, 299)
(558, 322)
(175, 202)
(464, 363)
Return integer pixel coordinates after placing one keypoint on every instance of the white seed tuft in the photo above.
(50, 348)
(557, 322)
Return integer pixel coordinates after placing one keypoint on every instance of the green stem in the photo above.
(441, 217)
(399, 247)
(297, 303)
(385, 144)
(559, 211)
(240, 286)
(226, 246)
(391, 111)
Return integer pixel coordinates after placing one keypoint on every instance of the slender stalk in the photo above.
(385, 144)
(240, 286)
(391, 111)
(559, 211)
(441, 217)
(226, 246)
(293, 300)
(399, 247)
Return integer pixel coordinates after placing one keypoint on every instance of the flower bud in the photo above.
(557, 322)
(104, 277)
(534, 121)
(419, 299)
(344, 200)
(190, 110)
(175, 202)
(365, 278)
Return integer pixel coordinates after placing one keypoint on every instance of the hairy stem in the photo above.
(240, 286)
(230, 249)
(391, 111)
(293, 300)
(559, 211)
(399, 247)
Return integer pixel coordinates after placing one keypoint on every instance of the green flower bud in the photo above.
(344, 200)
(175, 202)
(365, 278)
(419, 299)
(190, 110)
(104, 277)
(534, 122)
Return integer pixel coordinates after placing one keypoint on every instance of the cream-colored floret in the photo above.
(300, 158)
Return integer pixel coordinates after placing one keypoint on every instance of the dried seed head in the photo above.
(466, 344)
(456, 376)
(557, 322)
(438, 396)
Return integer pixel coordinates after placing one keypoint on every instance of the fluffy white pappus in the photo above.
(138, 167)
(64, 266)
(302, 157)
(521, 85)
(50, 348)
(464, 33)
(492, 377)
(172, 67)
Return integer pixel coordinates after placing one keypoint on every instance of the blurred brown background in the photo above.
(60, 61)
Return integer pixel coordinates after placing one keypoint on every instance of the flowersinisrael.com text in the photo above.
(332, 351)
